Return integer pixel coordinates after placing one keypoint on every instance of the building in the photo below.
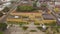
(5, 0)
(29, 17)
(36, 17)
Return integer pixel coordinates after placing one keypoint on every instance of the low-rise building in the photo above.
(30, 17)
(36, 17)
(5, 0)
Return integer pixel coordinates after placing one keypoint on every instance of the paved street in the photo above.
(16, 29)
(54, 14)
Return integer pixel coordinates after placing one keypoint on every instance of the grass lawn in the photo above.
(1, 32)
(33, 31)
(24, 28)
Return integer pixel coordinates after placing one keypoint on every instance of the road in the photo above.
(3, 19)
(54, 14)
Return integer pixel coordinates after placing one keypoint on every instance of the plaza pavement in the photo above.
(18, 30)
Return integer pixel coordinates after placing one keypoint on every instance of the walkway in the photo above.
(16, 29)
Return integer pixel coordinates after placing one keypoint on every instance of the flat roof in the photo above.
(47, 17)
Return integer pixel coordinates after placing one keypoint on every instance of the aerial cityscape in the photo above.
(29, 16)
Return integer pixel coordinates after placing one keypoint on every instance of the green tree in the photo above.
(1, 14)
(25, 8)
(3, 26)
(44, 6)
(1, 32)
(6, 9)
(35, 3)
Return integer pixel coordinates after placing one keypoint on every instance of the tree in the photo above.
(44, 7)
(6, 9)
(34, 4)
(1, 14)
(56, 9)
(1, 32)
(3, 26)
(25, 8)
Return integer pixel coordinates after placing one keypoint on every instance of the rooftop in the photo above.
(48, 16)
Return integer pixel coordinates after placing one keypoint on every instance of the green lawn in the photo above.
(1, 32)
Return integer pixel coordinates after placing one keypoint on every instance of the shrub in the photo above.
(36, 23)
(6, 9)
(33, 31)
(21, 23)
(39, 28)
(1, 14)
(3, 26)
(34, 4)
(56, 9)
(25, 8)
(51, 24)
(1, 32)
(24, 28)
(56, 28)
(43, 5)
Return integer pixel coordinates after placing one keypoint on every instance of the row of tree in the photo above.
(25, 8)
(6, 9)
(3, 26)
(30, 8)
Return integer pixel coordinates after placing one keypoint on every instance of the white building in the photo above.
(7, 4)
(5, 0)
(57, 3)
